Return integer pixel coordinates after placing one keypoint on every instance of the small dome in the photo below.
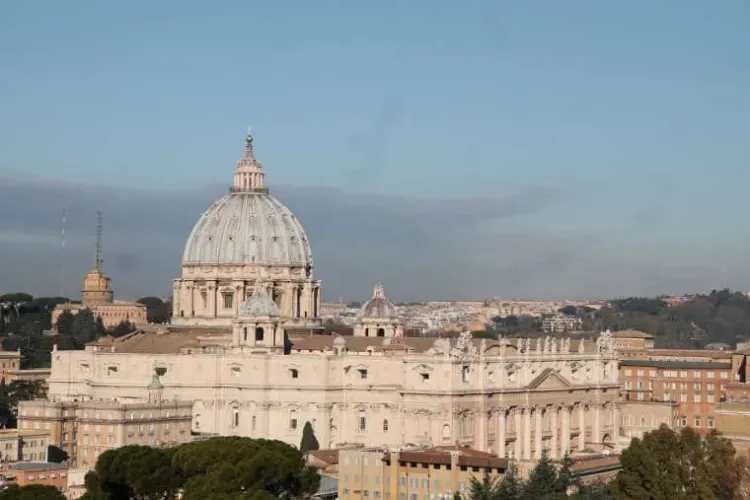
(378, 306)
(259, 304)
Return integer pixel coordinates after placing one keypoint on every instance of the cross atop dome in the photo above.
(249, 176)
(379, 291)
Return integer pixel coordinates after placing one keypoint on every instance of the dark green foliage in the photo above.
(65, 323)
(543, 483)
(157, 311)
(31, 492)
(133, 472)
(667, 465)
(123, 328)
(513, 325)
(150, 302)
(16, 297)
(511, 486)
(56, 454)
(595, 491)
(85, 327)
(486, 489)
(11, 394)
(309, 441)
(226, 468)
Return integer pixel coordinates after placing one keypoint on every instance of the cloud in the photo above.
(421, 249)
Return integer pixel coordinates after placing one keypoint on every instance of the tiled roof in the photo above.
(441, 455)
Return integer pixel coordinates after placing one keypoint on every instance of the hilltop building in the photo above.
(97, 295)
(244, 347)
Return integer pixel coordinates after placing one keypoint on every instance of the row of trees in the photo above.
(664, 465)
(546, 481)
(222, 468)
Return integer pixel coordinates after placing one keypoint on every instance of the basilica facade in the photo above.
(245, 348)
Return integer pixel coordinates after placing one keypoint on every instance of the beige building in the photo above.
(98, 296)
(430, 473)
(640, 417)
(20, 445)
(243, 347)
(87, 428)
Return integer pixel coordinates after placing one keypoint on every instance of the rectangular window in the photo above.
(652, 373)
(628, 372)
(711, 423)
(697, 421)
(710, 375)
(640, 373)
(362, 421)
(683, 398)
(724, 375)
(362, 373)
(696, 387)
(696, 374)
(697, 398)
(710, 387)
(228, 300)
(710, 398)
(683, 421)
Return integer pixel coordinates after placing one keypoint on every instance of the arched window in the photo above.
(259, 334)
(381, 332)
(293, 420)
(446, 432)
(253, 423)
(385, 425)
(367, 332)
(362, 422)
(235, 417)
(245, 332)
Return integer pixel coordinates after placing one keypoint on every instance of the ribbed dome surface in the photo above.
(378, 306)
(259, 304)
(248, 228)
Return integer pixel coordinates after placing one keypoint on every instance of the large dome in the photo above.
(248, 228)
(247, 242)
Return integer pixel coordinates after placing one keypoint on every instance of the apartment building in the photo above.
(18, 445)
(86, 429)
(694, 379)
(413, 474)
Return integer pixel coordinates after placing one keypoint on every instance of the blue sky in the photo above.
(635, 112)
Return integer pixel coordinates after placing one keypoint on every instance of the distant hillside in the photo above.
(720, 316)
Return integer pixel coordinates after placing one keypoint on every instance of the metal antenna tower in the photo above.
(98, 254)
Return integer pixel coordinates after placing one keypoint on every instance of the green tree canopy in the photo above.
(16, 297)
(139, 472)
(31, 492)
(150, 302)
(123, 328)
(234, 467)
(309, 441)
(666, 465)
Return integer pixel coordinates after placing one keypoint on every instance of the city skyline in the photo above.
(449, 152)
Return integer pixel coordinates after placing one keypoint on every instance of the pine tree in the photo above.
(542, 481)
(566, 480)
(486, 489)
(309, 441)
(511, 487)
